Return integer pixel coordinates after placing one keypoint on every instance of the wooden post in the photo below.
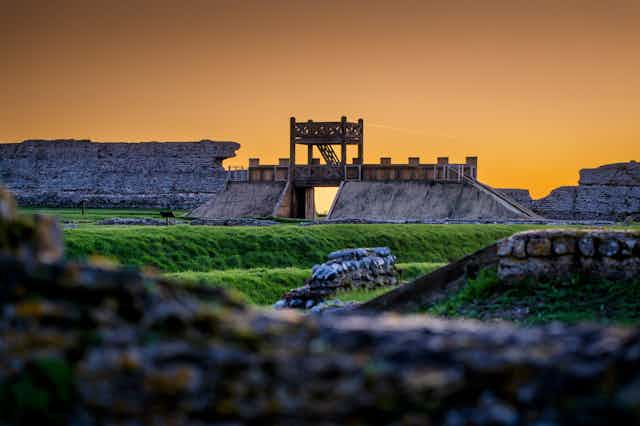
(361, 143)
(343, 125)
(84, 204)
(292, 149)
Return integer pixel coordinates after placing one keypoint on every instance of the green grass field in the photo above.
(204, 248)
(261, 262)
(264, 262)
(264, 286)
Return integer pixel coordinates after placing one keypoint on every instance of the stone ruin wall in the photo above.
(609, 192)
(563, 254)
(347, 269)
(520, 196)
(64, 173)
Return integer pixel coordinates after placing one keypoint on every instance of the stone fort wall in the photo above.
(64, 173)
(609, 192)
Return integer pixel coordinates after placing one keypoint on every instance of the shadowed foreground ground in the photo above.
(90, 345)
(83, 345)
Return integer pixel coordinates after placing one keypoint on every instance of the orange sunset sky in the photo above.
(536, 89)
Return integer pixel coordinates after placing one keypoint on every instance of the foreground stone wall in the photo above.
(31, 239)
(63, 173)
(83, 345)
(114, 347)
(558, 254)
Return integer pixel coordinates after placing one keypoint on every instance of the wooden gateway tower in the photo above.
(294, 181)
(324, 136)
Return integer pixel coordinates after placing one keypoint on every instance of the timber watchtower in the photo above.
(324, 136)
(331, 167)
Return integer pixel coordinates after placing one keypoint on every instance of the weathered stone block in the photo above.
(608, 247)
(7, 205)
(49, 240)
(586, 264)
(627, 246)
(563, 266)
(599, 253)
(631, 268)
(345, 269)
(564, 245)
(587, 246)
(519, 248)
(505, 247)
(30, 238)
(610, 269)
(513, 270)
(539, 246)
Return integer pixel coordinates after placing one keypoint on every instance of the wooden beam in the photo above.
(343, 123)
(361, 142)
(292, 149)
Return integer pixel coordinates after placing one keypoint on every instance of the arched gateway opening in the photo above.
(324, 167)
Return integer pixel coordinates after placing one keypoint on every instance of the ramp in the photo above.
(424, 201)
(427, 289)
(243, 199)
(508, 200)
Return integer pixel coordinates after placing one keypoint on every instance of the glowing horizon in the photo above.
(536, 90)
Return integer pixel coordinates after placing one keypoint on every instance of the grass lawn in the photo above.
(532, 302)
(260, 286)
(264, 286)
(204, 248)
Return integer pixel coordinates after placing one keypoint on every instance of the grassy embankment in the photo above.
(533, 302)
(264, 262)
(204, 248)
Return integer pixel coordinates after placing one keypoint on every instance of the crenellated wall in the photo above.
(64, 173)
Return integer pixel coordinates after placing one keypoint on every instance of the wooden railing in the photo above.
(322, 174)
(318, 172)
(418, 172)
(328, 130)
(268, 173)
